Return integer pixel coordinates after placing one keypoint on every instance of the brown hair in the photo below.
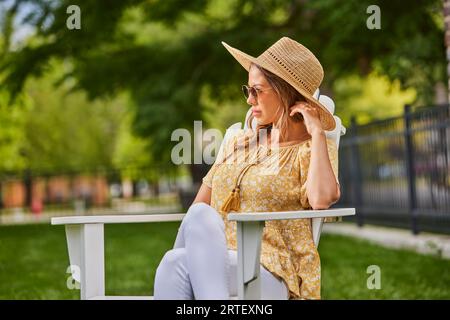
(288, 96)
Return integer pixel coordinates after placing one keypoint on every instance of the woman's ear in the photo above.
(297, 118)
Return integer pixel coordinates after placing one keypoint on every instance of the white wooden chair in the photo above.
(85, 237)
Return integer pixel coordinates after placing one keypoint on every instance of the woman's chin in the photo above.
(264, 124)
(261, 121)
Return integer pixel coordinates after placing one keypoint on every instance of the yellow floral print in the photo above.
(287, 249)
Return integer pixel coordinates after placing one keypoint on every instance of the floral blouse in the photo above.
(287, 248)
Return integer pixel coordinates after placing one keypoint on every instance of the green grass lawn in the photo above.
(34, 260)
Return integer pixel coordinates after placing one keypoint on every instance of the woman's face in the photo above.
(265, 106)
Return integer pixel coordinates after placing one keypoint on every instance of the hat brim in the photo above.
(326, 117)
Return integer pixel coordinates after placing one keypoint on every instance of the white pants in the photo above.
(201, 267)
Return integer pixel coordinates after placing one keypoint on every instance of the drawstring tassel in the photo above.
(232, 202)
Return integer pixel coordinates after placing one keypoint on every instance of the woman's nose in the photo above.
(251, 100)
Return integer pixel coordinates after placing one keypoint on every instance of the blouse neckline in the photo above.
(290, 145)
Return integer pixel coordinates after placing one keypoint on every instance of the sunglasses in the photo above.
(253, 91)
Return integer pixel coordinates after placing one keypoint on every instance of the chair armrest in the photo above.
(139, 218)
(285, 215)
(249, 233)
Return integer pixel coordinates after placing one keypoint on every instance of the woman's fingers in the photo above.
(300, 106)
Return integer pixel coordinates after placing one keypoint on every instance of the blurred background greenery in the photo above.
(138, 69)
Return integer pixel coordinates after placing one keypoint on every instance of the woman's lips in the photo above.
(256, 112)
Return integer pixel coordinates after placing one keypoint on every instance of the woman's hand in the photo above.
(310, 116)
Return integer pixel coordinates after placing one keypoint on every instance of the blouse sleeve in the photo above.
(209, 176)
(224, 149)
(207, 179)
(304, 167)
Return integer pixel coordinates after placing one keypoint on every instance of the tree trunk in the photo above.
(27, 181)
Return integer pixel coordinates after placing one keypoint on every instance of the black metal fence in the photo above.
(396, 172)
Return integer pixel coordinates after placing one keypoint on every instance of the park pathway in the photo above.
(425, 243)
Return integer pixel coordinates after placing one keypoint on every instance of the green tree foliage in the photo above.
(12, 135)
(165, 52)
(67, 132)
(370, 97)
(51, 130)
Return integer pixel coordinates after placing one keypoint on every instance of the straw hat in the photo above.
(295, 64)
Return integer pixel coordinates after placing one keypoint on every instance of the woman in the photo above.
(202, 264)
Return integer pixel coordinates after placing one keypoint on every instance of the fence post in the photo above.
(410, 170)
(1, 197)
(355, 170)
(28, 183)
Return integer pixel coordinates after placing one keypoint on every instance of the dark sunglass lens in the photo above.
(245, 90)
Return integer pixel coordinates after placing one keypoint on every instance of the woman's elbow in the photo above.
(320, 206)
(323, 204)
